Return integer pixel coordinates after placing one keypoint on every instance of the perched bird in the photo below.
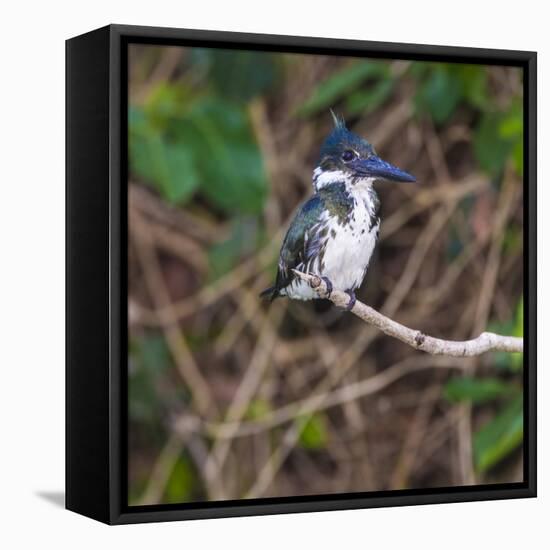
(333, 234)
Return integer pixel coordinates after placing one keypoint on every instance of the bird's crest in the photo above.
(340, 137)
(339, 122)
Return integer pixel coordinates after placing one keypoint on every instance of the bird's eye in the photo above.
(348, 155)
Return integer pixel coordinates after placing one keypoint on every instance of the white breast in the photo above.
(349, 251)
(348, 248)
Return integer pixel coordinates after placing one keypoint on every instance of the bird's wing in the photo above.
(301, 243)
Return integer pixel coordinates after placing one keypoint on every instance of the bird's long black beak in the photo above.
(375, 167)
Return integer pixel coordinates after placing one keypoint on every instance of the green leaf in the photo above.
(141, 157)
(516, 359)
(511, 126)
(258, 409)
(500, 436)
(206, 145)
(445, 86)
(513, 239)
(148, 359)
(476, 390)
(511, 129)
(518, 326)
(169, 167)
(473, 79)
(241, 75)
(228, 158)
(517, 157)
(499, 137)
(165, 103)
(181, 177)
(440, 94)
(152, 353)
(242, 241)
(340, 83)
(314, 434)
(490, 148)
(367, 101)
(181, 482)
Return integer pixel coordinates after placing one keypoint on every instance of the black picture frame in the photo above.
(96, 273)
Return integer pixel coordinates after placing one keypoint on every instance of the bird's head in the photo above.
(349, 158)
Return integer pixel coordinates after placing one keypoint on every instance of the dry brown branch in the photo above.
(163, 71)
(183, 358)
(248, 311)
(322, 401)
(485, 298)
(213, 292)
(250, 383)
(200, 228)
(326, 400)
(444, 193)
(486, 341)
(416, 257)
(417, 432)
(161, 471)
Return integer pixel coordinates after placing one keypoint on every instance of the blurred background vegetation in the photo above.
(233, 398)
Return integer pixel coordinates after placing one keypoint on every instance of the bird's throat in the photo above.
(355, 185)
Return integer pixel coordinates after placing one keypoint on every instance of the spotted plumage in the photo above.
(333, 234)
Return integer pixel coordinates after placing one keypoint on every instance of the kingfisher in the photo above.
(333, 234)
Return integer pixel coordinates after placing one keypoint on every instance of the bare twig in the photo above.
(249, 385)
(183, 358)
(486, 341)
(485, 298)
(322, 401)
(417, 432)
(162, 469)
(325, 400)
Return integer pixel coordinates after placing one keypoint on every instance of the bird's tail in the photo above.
(272, 292)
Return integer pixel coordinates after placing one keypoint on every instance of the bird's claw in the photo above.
(329, 286)
(352, 300)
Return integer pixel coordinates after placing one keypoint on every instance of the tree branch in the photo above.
(486, 341)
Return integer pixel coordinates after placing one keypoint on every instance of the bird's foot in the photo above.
(352, 300)
(329, 286)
